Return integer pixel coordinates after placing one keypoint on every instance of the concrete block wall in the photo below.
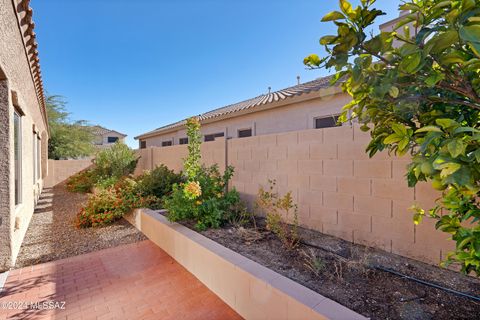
(339, 190)
(61, 170)
(213, 152)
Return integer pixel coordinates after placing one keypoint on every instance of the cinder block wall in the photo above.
(339, 190)
(60, 170)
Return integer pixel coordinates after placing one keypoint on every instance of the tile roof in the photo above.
(26, 25)
(264, 99)
(99, 130)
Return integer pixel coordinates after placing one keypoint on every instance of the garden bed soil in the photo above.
(350, 274)
(52, 234)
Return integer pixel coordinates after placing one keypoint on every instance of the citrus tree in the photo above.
(416, 89)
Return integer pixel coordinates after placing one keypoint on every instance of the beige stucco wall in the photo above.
(339, 190)
(61, 170)
(298, 114)
(15, 67)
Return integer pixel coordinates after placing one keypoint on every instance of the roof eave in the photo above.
(324, 92)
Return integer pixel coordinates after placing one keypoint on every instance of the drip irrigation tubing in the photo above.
(426, 283)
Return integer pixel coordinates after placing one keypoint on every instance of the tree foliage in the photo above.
(68, 139)
(416, 89)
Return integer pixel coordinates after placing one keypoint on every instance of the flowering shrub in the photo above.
(117, 161)
(108, 205)
(204, 197)
(206, 201)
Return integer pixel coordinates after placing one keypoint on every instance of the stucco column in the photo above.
(5, 194)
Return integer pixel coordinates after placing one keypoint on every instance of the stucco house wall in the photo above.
(21, 90)
(295, 114)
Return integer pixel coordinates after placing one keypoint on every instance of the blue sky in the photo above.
(135, 65)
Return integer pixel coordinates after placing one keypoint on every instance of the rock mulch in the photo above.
(52, 234)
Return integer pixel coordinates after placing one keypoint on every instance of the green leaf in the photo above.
(465, 129)
(332, 16)
(402, 145)
(456, 147)
(399, 129)
(470, 33)
(346, 7)
(327, 40)
(434, 78)
(476, 153)
(392, 139)
(429, 129)
(393, 91)
(449, 168)
(444, 40)
(410, 63)
(446, 123)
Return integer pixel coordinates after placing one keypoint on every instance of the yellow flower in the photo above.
(198, 202)
(193, 190)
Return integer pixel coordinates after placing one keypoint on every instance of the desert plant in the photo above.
(203, 197)
(417, 89)
(107, 205)
(312, 261)
(82, 181)
(278, 210)
(158, 182)
(117, 161)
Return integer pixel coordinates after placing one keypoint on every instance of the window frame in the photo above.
(245, 129)
(167, 143)
(213, 136)
(18, 157)
(143, 144)
(183, 141)
(114, 138)
(334, 116)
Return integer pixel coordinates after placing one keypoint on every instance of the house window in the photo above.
(326, 122)
(17, 146)
(211, 137)
(143, 144)
(39, 157)
(166, 143)
(245, 133)
(183, 141)
(35, 158)
(112, 139)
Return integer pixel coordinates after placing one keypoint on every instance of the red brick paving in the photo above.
(135, 281)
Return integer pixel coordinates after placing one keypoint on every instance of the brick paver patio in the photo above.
(135, 281)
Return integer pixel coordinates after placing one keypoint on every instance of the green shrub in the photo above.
(203, 198)
(117, 161)
(158, 182)
(204, 201)
(82, 182)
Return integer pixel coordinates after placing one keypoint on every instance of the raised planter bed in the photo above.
(252, 290)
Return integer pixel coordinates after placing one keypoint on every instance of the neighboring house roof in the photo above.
(100, 131)
(253, 103)
(26, 26)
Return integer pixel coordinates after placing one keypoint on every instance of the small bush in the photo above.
(82, 182)
(108, 205)
(205, 201)
(278, 210)
(158, 182)
(117, 161)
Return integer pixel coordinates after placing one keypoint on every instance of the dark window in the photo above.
(211, 137)
(244, 133)
(326, 122)
(143, 144)
(166, 143)
(183, 141)
(112, 139)
(17, 146)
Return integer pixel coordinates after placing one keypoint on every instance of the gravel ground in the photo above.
(52, 234)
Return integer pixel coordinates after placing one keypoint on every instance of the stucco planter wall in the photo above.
(252, 290)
